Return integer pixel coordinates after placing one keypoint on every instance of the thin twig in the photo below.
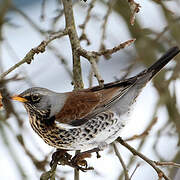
(94, 54)
(167, 164)
(43, 9)
(135, 7)
(49, 174)
(142, 156)
(15, 57)
(134, 171)
(60, 13)
(84, 24)
(39, 164)
(61, 59)
(42, 32)
(102, 46)
(121, 161)
(96, 72)
(146, 131)
(30, 55)
(114, 49)
(141, 145)
(10, 149)
(104, 25)
(28, 19)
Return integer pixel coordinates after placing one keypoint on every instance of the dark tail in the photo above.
(153, 70)
(162, 61)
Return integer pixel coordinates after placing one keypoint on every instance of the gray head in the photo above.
(41, 101)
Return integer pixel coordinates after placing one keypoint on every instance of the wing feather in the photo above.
(78, 105)
(82, 105)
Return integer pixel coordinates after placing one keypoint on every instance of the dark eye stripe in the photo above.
(28, 98)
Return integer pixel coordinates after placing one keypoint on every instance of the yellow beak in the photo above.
(18, 98)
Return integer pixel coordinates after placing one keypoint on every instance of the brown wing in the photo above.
(78, 105)
(82, 104)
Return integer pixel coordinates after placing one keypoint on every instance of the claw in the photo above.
(79, 161)
(80, 158)
(59, 155)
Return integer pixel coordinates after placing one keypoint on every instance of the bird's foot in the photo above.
(78, 162)
(79, 159)
(60, 157)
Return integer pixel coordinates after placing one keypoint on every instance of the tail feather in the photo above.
(153, 70)
(122, 104)
(162, 61)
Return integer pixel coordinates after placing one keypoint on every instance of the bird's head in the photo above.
(41, 101)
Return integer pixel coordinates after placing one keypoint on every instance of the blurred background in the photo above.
(24, 24)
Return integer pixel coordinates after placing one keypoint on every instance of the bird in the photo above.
(90, 118)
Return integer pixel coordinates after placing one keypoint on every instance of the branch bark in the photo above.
(142, 156)
(121, 161)
(75, 44)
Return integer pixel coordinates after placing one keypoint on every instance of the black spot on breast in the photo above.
(66, 133)
(95, 130)
(74, 132)
(90, 135)
(52, 140)
(93, 121)
(101, 117)
(87, 130)
(54, 137)
(61, 136)
(73, 137)
(107, 123)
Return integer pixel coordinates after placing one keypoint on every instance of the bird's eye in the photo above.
(35, 98)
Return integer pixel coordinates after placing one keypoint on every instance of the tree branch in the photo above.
(149, 161)
(121, 161)
(84, 24)
(114, 49)
(30, 55)
(145, 132)
(75, 44)
(135, 7)
(167, 164)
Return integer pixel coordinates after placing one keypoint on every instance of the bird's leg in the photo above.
(79, 159)
(61, 156)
